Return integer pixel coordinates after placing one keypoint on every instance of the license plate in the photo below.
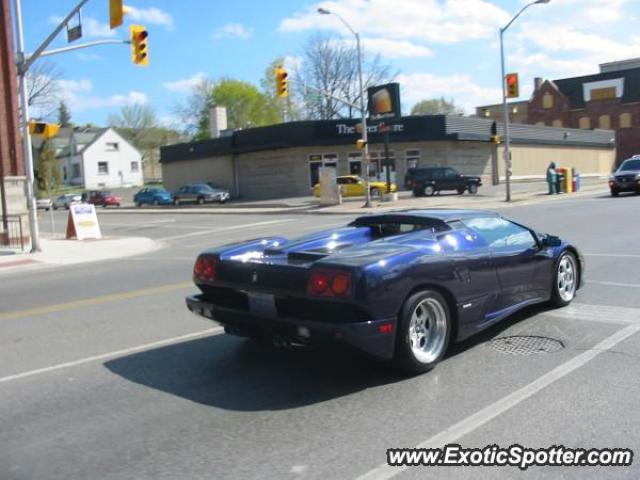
(262, 304)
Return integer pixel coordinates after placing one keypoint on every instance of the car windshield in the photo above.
(158, 190)
(631, 164)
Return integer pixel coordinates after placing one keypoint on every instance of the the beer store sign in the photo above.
(384, 102)
(346, 129)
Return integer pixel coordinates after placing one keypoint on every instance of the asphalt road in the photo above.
(104, 373)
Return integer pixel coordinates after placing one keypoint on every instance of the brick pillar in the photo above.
(12, 179)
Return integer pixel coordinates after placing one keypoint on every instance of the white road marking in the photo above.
(614, 284)
(598, 313)
(105, 356)
(613, 255)
(247, 226)
(478, 419)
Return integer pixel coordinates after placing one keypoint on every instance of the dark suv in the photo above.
(627, 177)
(429, 180)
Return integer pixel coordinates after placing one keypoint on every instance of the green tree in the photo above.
(436, 106)
(49, 173)
(64, 117)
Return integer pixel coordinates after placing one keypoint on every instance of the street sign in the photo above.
(83, 222)
(74, 33)
(384, 102)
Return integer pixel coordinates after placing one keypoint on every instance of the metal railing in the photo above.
(13, 235)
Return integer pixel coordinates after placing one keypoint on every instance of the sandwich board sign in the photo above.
(82, 222)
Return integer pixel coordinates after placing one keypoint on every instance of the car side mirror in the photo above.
(549, 241)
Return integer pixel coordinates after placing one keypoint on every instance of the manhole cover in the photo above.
(525, 345)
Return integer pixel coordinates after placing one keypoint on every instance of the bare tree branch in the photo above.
(43, 90)
(331, 64)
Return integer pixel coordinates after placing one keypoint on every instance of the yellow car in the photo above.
(353, 186)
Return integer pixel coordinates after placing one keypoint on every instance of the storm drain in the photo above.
(525, 345)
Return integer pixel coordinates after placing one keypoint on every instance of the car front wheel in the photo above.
(614, 193)
(429, 190)
(565, 282)
(176, 202)
(200, 200)
(424, 329)
(473, 189)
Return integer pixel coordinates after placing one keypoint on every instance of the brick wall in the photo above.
(627, 139)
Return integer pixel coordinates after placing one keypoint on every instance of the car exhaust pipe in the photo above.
(281, 342)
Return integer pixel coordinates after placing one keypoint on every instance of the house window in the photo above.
(412, 157)
(603, 93)
(75, 170)
(135, 167)
(625, 120)
(584, 123)
(557, 123)
(547, 101)
(604, 122)
(112, 146)
(103, 168)
(316, 161)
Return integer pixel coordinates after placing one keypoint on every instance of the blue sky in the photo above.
(440, 47)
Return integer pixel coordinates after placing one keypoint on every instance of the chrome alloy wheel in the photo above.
(428, 330)
(566, 278)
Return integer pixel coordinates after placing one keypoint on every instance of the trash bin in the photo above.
(560, 180)
(576, 181)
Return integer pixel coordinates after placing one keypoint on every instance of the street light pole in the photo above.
(505, 107)
(363, 110)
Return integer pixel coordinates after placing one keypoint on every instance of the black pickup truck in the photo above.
(429, 180)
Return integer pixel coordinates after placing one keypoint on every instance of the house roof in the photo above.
(82, 138)
(572, 87)
(406, 129)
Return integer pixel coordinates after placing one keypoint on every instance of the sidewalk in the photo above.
(57, 252)
(489, 196)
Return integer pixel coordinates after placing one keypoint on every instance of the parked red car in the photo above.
(102, 198)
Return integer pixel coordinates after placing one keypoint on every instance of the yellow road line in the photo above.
(114, 297)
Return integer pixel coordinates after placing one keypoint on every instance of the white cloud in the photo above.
(447, 21)
(151, 15)
(396, 48)
(77, 95)
(90, 26)
(185, 85)
(460, 87)
(233, 30)
(293, 63)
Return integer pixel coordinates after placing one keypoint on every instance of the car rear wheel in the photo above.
(176, 202)
(614, 193)
(460, 191)
(200, 200)
(156, 203)
(424, 329)
(138, 204)
(429, 190)
(473, 188)
(565, 282)
(375, 192)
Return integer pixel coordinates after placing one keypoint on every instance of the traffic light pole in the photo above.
(505, 113)
(23, 62)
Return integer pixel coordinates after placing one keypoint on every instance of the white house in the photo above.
(99, 158)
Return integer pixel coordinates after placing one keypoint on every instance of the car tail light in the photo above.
(205, 268)
(330, 283)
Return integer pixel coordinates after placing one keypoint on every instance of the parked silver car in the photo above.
(66, 200)
(43, 204)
